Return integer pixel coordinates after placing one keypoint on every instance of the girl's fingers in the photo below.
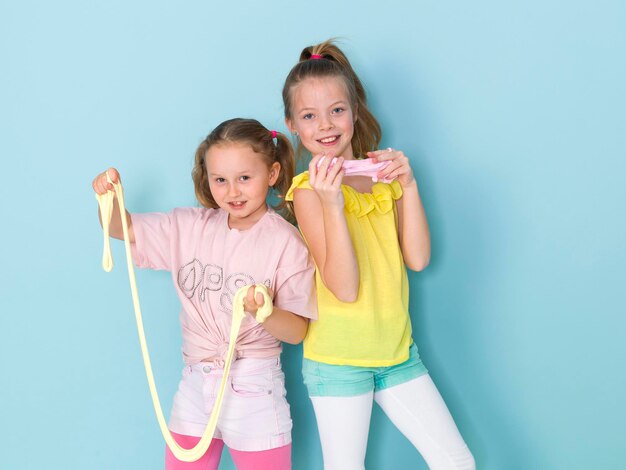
(381, 155)
(101, 183)
(324, 170)
(336, 173)
(335, 167)
(402, 173)
(387, 154)
(376, 153)
(250, 295)
(249, 304)
(313, 169)
(398, 166)
(324, 163)
(113, 175)
(314, 162)
(338, 178)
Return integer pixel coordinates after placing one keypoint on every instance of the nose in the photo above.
(233, 190)
(325, 122)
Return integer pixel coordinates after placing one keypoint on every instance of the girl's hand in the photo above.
(252, 303)
(101, 184)
(399, 167)
(326, 179)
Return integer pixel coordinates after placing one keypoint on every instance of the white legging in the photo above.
(417, 410)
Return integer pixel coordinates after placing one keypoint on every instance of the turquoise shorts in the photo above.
(329, 380)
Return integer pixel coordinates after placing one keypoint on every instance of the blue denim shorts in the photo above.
(329, 380)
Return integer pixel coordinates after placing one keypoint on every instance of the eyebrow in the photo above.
(245, 172)
(333, 104)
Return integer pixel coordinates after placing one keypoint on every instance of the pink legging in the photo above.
(273, 459)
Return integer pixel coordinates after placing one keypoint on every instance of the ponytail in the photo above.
(283, 154)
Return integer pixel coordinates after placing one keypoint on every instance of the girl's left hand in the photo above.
(399, 167)
(252, 303)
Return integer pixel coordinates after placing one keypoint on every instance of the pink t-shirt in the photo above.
(209, 262)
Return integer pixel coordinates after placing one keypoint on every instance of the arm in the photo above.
(320, 216)
(101, 186)
(282, 324)
(286, 326)
(413, 232)
(413, 229)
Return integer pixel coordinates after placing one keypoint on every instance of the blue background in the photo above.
(513, 116)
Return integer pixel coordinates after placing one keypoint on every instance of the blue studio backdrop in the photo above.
(512, 114)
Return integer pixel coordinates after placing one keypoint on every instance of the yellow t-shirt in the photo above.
(375, 330)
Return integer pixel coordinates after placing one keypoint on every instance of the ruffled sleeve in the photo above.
(299, 182)
(380, 199)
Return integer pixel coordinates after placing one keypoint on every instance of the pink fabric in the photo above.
(209, 461)
(209, 262)
(364, 167)
(273, 459)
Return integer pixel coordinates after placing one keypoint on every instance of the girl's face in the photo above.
(239, 180)
(323, 117)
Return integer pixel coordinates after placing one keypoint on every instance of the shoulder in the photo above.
(196, 215)
(276, 225)
(281, 235)
(285, 244)
(300, 181)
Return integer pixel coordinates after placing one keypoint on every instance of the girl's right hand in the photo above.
(101, 184)
(326, 179)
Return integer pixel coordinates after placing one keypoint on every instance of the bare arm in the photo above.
(323, 224)
(286, 326)
(282, 324)
(413, 232)
(101, 186)
(413, 229)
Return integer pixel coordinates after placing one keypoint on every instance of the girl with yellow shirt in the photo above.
(362, 236)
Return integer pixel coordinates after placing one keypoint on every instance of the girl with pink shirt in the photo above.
(234, 240)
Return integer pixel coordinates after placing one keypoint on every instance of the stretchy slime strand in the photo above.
(105, 203)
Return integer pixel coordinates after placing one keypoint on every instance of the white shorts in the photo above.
(255, 414)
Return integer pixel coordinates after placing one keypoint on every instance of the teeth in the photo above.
(328, 140)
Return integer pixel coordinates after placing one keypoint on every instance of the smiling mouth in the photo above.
(329, 140)
(237, 204)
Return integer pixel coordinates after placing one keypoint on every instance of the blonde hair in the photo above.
(253, 133)
(330, 61)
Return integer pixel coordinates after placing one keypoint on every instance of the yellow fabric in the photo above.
(374, 331)
(105, 203)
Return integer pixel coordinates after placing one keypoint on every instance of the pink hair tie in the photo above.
(316, 56)
(273, 134)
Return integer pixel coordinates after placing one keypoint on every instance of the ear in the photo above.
(289, 124)
(274, 173)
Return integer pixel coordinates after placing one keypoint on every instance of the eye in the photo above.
(244, 178)
(338, 110)
(219, 180)
(308, 116)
